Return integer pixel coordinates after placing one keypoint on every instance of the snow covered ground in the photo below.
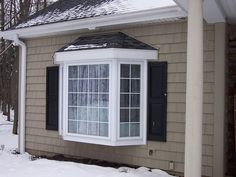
(12, 165)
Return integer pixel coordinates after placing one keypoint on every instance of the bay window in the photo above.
(103, 95)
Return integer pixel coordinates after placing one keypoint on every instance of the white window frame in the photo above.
(66, 77)
(143, 74)
(113, 57)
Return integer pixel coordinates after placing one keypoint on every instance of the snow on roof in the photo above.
(64, 10)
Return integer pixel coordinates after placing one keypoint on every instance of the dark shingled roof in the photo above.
(112, 40)
(66, 10)
(53, 13)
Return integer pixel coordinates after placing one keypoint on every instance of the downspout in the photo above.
(21, 92)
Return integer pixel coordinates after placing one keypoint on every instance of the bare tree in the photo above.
(13, 12)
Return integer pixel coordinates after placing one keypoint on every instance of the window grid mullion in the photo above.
(129, 100)
(77, 115)
(98, 132)
(88, 93)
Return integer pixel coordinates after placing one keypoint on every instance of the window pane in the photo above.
(93, 85)
(88, 99)
(104, 85)
(82, 99)
(124, 115)
(103, 100)
(93, 128)
(104, 71)
(135, 100)
(103, 129)
(135, 86)
(82, 127)
(83, 85)
(72, 113)
(73, 71)
(103, 115)
(93, 71)
(135, 71)
(124, 130)
(82, 113)
(134, 115)
(124, 85)
(125, 71)
(72, 99)
(134, 129)
(83, 71)
(73, 86)
(124, 100)
(93, 114)
(130, 100)
(72, 127)
(93, 100)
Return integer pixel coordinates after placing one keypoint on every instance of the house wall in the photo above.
(171, 39)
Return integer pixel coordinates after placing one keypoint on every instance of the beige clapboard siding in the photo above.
(171, 40)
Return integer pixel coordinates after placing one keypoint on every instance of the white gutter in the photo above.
(139, 17)
(21, 93)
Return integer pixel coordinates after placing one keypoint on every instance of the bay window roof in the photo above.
(111, 40)
(113, 45)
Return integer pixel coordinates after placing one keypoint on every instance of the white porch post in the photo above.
(194, 90)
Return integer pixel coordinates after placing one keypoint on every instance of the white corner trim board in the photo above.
(194, 91)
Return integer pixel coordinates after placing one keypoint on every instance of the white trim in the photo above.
(60, 106)
(104, 54)
(211, 10)
(183, 4)
(92, 140)
(139, 17)
(194, 91)
(143, 118)
(65, 108)
(113, 103)
(145, 97)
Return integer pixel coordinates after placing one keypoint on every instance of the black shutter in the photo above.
(157, 100)
(52, 98)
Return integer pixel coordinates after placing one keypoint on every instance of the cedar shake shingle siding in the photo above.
(171, 39)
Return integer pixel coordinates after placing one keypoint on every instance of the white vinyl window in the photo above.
(88, 99)
(130, 100)
(103, 96)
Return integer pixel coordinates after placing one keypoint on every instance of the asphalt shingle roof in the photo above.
(65, 10)
(111, 40)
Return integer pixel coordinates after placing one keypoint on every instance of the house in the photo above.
(134, 82)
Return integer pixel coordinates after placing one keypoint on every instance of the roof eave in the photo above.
(139, 17)
(212, 11)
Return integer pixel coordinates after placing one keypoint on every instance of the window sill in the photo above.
(104, 141)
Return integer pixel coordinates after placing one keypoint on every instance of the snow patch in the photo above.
(22, 165)
(86, 46)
